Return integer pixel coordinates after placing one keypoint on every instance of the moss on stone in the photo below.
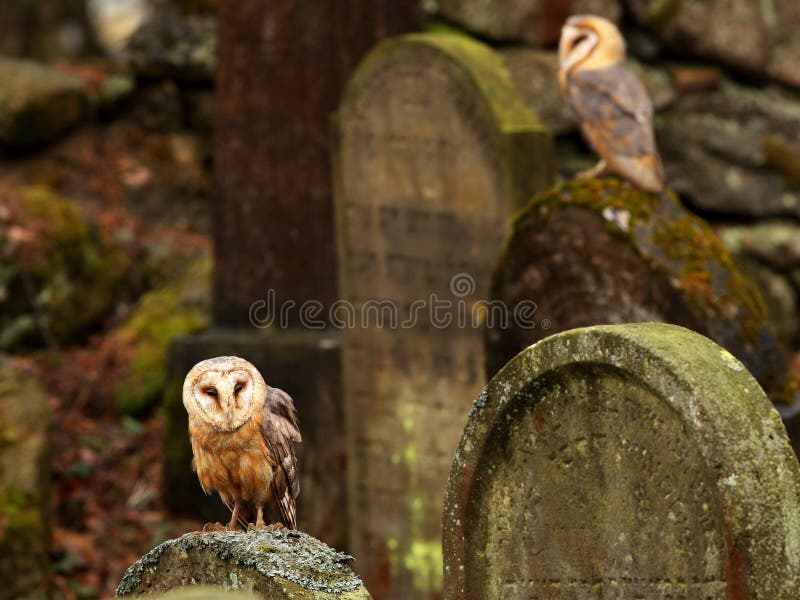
(74, 271)
(684, 248)
(179, 308)
(715, 404)
(37, 103)
(203, 592)
(289, 564)
(521, 136)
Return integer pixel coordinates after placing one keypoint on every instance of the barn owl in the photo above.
(242, 434)
(615, 113)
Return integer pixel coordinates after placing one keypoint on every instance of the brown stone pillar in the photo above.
(283, 65)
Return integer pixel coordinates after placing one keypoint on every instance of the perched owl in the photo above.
(242, 433)
(615, 113)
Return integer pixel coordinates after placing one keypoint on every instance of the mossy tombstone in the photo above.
(434, 152)
(276, 565)
(602, 252)
(624, 461)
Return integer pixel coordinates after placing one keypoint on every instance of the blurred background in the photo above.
(109, 208)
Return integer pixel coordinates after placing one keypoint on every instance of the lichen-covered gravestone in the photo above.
(434, 152)
(601, 252)
(277, 565)
(623, 461)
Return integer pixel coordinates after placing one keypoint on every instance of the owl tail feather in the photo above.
(288, 511)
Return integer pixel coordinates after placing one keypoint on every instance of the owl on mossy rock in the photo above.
(243, 434)
(614, 111)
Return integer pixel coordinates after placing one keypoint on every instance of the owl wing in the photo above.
(616, 117)
(280, 428)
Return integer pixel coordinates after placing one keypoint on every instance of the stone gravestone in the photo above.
(601, 252)
(275, 565)
(435, 151)
(273, 234)
(623, 461)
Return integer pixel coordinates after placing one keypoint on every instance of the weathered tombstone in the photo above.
(601, 252)
(274, 230)
(435, 151)
(275, 565)
(623, 461)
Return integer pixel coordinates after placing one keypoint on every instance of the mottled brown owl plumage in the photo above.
(243, 433)
(613, 108)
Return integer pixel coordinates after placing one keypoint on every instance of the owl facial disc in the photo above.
(226, 390)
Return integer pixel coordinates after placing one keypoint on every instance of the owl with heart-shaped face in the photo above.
(243, 434)
(614, 111)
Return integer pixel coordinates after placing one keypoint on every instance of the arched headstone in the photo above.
(631, 461)
(435, 151)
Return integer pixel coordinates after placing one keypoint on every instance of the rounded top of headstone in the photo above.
(478, 65)
(261, 556)
(641, 457)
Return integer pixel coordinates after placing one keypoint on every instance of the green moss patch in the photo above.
(179, 308)
(684, 250)
(60, 273)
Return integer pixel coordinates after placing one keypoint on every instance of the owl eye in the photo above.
(238, 388)
(210, 392)
(579, 40)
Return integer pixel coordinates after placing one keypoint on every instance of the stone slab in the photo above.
(434, 152)
(638, 460)
(601, 252)
(276, 565)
